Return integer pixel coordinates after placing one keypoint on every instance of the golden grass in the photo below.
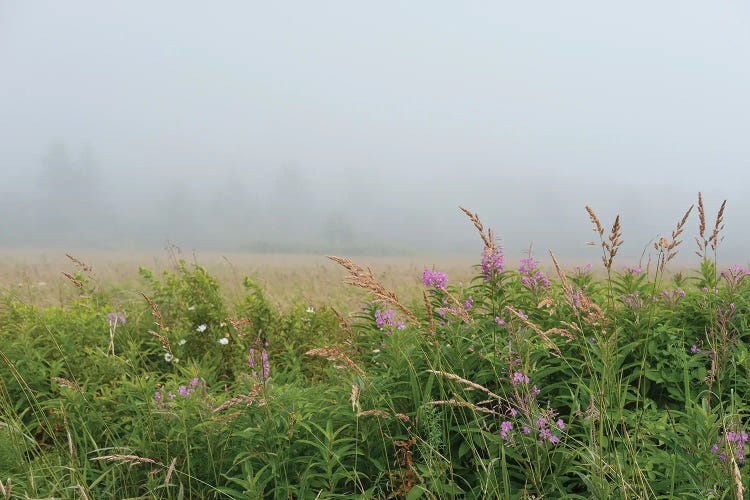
(364, 278)
(34, 276)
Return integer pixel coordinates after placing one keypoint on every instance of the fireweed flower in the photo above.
(531, 277)
(519, 378)
(544, 423)
(505, 428)
(469, 303)
(499, 321)
(184, 391)
(733, 442)
(632, 271)
(735, 275)
(265, 366)
(115, 318)
(435, 279)
(492, 263)
(632, 300)
(385, 321)
(672, 297)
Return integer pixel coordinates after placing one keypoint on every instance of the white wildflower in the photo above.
(182, 342)
(168, 357)
(223, 341)
(201, 328)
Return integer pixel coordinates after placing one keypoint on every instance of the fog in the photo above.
(359, 128)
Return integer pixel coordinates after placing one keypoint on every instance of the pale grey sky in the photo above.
(387, 115)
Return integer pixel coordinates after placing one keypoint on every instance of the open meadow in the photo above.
(126, 375)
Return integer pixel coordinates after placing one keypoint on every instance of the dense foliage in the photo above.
(519, 385)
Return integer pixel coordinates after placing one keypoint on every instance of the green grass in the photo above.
(504, 387)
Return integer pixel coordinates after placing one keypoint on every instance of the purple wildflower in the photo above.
(632, 271)
(505, 428)
(694, 349)
(115, 318)
(519, 378)
(157, 397)
(499, 321)
(492, 263)
(469, 303)
(435, 279)
(266, 365)
(527, 266)
(384, 320)
(532, 278)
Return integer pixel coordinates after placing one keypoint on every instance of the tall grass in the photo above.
(516, 385)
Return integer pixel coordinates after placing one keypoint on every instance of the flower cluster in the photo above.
(531, 277)
(732, 441)
(544, 424)
(632, 270)
(184, 391)
(633, 300)
(672, 297)
(734, 276)
(519, 378)
(385, 321)
(583, 271)
(435, 279)
(469, 303)
(115, 318)
(265, 366)
(493, 263)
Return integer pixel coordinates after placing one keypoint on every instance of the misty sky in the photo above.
(257, 125)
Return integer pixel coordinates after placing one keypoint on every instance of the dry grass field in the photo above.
(35, 276)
